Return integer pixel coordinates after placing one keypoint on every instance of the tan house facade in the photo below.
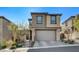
(5, 32)
(45, 27)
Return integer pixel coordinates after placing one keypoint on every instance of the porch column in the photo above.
(33, 34)
(58, 34)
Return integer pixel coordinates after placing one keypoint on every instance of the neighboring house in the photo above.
(5, 32)
(69, 25)
(45, 27)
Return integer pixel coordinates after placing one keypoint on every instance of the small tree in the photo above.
(76, 24)
(13, 29)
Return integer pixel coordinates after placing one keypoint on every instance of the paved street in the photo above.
(61, 48)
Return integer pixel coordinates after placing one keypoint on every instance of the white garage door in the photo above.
(45, 35)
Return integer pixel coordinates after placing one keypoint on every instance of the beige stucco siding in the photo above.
(1, 33)
(48, 24)
(58, 20)
(6, 31)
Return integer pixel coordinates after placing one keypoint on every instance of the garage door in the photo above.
(45, 35)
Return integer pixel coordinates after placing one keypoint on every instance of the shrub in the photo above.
(62, 36)
(18, 45)
(2, 44)
(9, 43)
(65, 41)
(71, 42)
(3, 47)
(13, 46)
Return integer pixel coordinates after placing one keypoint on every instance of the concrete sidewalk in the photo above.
(6, 50)
(15, 50)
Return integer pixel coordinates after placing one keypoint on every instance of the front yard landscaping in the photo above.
(10, 44)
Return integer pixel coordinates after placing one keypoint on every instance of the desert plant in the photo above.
(9, 43)
(66, 41)
(76, 24)
(62, 36)
(2, 44)
(13, 28)
(13, 46)
(71, 42)
(18, 45)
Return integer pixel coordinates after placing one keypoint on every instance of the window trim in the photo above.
(37, 22)
(51, 20)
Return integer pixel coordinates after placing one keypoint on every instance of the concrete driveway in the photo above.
(48, 43)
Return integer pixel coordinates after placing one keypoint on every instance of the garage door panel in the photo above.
(45, 35)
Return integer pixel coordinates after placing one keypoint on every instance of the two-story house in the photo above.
(45, 27)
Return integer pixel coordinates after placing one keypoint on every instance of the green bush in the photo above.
(3, 44)
(66, 41)
(71, 42)
(62, 37)
(18, 45)
(13, 46)
(3, 47)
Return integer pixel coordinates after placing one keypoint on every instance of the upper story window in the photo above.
(53, 20)
(39, 19)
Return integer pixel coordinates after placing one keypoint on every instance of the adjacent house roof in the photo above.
(5, 18)
(70, 18)
(29, 19)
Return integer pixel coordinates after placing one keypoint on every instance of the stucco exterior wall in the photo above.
(6, 31)
(1, 33)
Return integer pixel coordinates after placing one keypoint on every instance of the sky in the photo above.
(20, 15)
